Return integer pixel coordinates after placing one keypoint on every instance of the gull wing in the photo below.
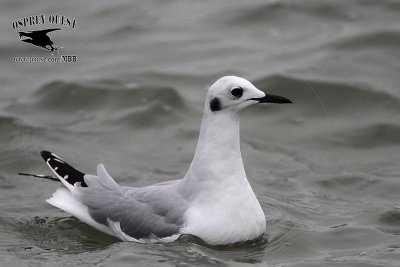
(134, 215)
(131, 214)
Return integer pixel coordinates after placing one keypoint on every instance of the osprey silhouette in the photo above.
(39, 38)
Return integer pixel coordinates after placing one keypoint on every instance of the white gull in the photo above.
(214, 201)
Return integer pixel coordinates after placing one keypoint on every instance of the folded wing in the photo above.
(131, 214)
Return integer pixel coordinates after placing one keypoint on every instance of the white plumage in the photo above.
(214, 200)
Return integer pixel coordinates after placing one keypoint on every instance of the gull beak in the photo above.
(272, 99)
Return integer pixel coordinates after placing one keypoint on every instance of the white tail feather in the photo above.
(64, 200)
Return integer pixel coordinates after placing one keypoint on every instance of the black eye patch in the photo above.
(215, 104)
(237, 92)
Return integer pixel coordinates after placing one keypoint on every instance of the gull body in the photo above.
(214, 201)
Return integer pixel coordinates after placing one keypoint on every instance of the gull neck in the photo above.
(219, 136)
(217, 160)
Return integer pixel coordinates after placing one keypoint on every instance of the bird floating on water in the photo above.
(214, 201)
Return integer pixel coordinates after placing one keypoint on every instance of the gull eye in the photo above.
(237, 92)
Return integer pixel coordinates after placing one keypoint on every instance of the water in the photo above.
(325, 169)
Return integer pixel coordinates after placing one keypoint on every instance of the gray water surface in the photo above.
(325, 169)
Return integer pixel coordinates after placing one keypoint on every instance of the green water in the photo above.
(325, 169)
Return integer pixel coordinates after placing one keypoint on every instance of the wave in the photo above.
(379, 40)
(279, 11)
(346, 183)
(336, 98)
(97, 94)
(12, 128)
(388, 5)
(352, 115)
(370, 136)
(45, 233)
(390, 217)
(102, 101)
(121, 31)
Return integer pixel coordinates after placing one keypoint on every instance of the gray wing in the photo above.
(141, 212)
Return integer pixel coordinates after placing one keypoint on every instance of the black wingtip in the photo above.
(45, 154)
(63, 169)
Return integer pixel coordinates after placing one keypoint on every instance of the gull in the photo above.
(213, 201)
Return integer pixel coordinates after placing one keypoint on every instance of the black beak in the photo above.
(272, 99)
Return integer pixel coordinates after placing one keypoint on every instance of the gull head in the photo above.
(233, 94)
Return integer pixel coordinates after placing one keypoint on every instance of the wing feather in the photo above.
(137, 217)
(137, 213)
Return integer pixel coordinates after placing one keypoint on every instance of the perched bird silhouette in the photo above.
(39, 38)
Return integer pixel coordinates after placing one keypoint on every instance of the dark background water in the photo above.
(325, 169)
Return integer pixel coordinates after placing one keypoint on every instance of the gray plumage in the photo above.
(142, 212)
